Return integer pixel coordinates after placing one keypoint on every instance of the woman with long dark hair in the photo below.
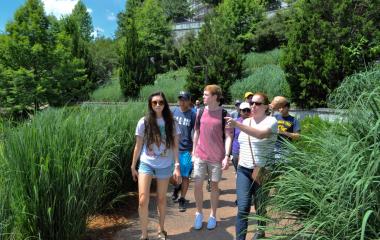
(156, 146)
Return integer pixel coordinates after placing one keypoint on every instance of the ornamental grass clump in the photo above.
(66, 165)
(269, 79)
(109, 92)
(330, 184)
(6, 213)
(255, 60)
(171, 83)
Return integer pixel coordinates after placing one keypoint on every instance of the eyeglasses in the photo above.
(155, 103)
(256, 103)
(246, 110)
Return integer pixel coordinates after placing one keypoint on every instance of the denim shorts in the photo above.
(185, 163)
(159, 173)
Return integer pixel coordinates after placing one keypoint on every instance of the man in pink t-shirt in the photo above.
(211, 152)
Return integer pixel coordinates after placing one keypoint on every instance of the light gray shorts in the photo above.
(201, 167)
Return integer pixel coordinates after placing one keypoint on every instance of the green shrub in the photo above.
(171, 83)
(330, 183)
(328, 41)
(269, 79)
(68, 164)
(255, 60)
(270, 33)
(110, 92)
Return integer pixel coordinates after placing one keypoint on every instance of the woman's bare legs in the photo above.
(144, 194)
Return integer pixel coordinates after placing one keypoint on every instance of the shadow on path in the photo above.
(179, 225)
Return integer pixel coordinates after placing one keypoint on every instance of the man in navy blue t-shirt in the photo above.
(185, 118)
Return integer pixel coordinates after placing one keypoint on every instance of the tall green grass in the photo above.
(6, 213)
(269, 79)
(170, 83)
(330, 184)
(110, 92)
(65, 165)
(254, 60)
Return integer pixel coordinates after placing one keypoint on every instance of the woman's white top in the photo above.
(262, 149)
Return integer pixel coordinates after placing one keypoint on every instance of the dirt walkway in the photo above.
(179, 224)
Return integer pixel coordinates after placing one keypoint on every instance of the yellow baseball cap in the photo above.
(247, 94)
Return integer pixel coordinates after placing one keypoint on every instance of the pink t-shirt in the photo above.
(210, 145)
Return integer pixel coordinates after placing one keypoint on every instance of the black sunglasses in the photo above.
(246, 110)
(256, 103)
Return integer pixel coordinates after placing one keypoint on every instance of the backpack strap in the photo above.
(198, 120)
(224, 114)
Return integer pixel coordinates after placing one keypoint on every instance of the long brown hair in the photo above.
(152, 132)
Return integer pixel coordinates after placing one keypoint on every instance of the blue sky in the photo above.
(103, 12)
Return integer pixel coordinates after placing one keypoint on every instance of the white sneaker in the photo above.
(198, 221)
(211, 224)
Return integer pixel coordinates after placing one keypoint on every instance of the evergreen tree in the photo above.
(83, 18)
(214, 58)
(145, 35)
(270, 33)
(124, 19)
(80, 47)
(133, 64)
(241, 18)
(327, 41)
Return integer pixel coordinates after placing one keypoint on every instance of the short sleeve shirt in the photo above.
(210, 145)
(262, 149)
(186, 121)
(156, 156)
(287, 124)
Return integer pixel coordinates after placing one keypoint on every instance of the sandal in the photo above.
(162, 235)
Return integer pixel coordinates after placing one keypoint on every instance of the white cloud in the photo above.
(111, 16)
(60, 7)
(97, 32)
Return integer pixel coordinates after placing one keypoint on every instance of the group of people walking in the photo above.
(172, 145)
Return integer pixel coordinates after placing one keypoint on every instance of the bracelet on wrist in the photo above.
(176, 164)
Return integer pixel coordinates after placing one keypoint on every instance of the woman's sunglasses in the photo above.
(256, 103)
(246, 110)
(155, 103)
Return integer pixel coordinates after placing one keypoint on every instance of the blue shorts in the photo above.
(160, 173)
(185, 163)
